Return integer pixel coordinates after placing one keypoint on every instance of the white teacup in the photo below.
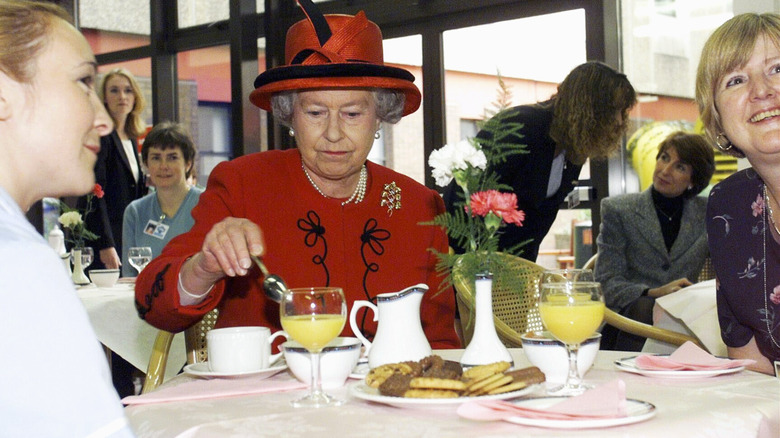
(551, 357)
(337, 361)
(241, 349)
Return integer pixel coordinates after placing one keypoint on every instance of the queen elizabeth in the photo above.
(319, 214)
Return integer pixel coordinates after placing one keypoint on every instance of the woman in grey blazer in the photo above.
(654, 243)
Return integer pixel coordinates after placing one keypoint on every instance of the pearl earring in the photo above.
(377, 135)
(291, 132)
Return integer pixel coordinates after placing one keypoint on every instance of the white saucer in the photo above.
(201, 369)
(628, 364)
(360, 371)
(637, 411)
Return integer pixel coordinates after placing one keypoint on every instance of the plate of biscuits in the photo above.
(434, 382)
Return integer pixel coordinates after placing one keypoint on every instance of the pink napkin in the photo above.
(604, 401)
(689, 357)
(215, 388)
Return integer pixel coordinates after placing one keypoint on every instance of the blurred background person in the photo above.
(169, 155)
(119, 172)
(738, 94)
(586, 118)
(118, 169)
(319, 214)
(54, 377)
(654, 243)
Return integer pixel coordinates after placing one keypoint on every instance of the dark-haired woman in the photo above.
(586, 118)
(654, 243)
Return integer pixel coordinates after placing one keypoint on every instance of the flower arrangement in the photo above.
(73, 220)
(484, 205)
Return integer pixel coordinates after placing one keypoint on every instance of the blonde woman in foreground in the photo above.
(54, 376)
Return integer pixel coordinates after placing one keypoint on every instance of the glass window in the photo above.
(473, 59)
(194, 12)
(661, 43)
(204, 104)
(400, 146)
(112, 25)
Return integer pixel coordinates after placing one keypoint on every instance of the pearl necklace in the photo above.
(766, 304)
(357, 195)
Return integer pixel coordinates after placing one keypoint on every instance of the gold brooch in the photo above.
(391, 197)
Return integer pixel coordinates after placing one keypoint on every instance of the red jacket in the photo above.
(310, 241)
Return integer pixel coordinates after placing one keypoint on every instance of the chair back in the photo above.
(707, 271)
(633, 327)
(194, 341)
(515, 297)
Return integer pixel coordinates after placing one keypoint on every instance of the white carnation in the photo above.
(449, 158)
(70, 219)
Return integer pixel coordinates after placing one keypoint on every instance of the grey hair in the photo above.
(389, 105)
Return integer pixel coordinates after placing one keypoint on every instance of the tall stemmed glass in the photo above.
(571, 305)
(139, 257)
(314, 316)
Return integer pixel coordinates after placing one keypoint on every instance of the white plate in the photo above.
(629, 364)
(637, 411)
(201, 369)
(365, 392)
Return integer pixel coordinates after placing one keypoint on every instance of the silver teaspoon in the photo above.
(273, 285)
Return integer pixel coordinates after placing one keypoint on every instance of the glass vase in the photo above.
(485, 346)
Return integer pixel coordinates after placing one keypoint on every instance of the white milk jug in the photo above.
(399, 334)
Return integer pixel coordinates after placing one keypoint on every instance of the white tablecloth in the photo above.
(746, 404)
(693, 311)
(117, 325)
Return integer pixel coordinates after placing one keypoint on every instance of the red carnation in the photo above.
(503, 205)
(98, 191)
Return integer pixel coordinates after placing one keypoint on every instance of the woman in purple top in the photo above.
(738, 93)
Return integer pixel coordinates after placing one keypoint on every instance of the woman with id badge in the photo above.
(169, 155)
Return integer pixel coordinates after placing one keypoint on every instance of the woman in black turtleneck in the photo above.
(654, 243)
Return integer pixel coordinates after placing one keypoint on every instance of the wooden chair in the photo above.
(194, 341)
(629, 325)
(515, 297)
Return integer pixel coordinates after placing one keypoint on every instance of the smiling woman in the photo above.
(738, 93)
(51, 121)
(169, 154)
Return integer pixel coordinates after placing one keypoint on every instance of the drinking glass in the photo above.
(87, 256)
(139, 257)
(314, 316)
(572, 309)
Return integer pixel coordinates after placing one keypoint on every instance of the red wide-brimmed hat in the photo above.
(333, 51)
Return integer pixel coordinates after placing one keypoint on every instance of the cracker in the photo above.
(378, 375)
(529, 376)
(478, 385)
(514, 386)
(482, 371)
(431, 393)
(437, 383)
(498, 383)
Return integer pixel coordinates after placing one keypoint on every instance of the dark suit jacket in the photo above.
(112, 172)
(529, 175)
(632, 252)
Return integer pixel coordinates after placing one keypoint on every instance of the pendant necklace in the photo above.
(357, 195)
(668, 217)
(768, 211)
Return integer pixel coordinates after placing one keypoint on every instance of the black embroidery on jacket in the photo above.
(371, 242)
(314, 233)
(157, 288)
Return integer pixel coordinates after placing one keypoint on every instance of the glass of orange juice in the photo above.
(314, 316)
(572, 311)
